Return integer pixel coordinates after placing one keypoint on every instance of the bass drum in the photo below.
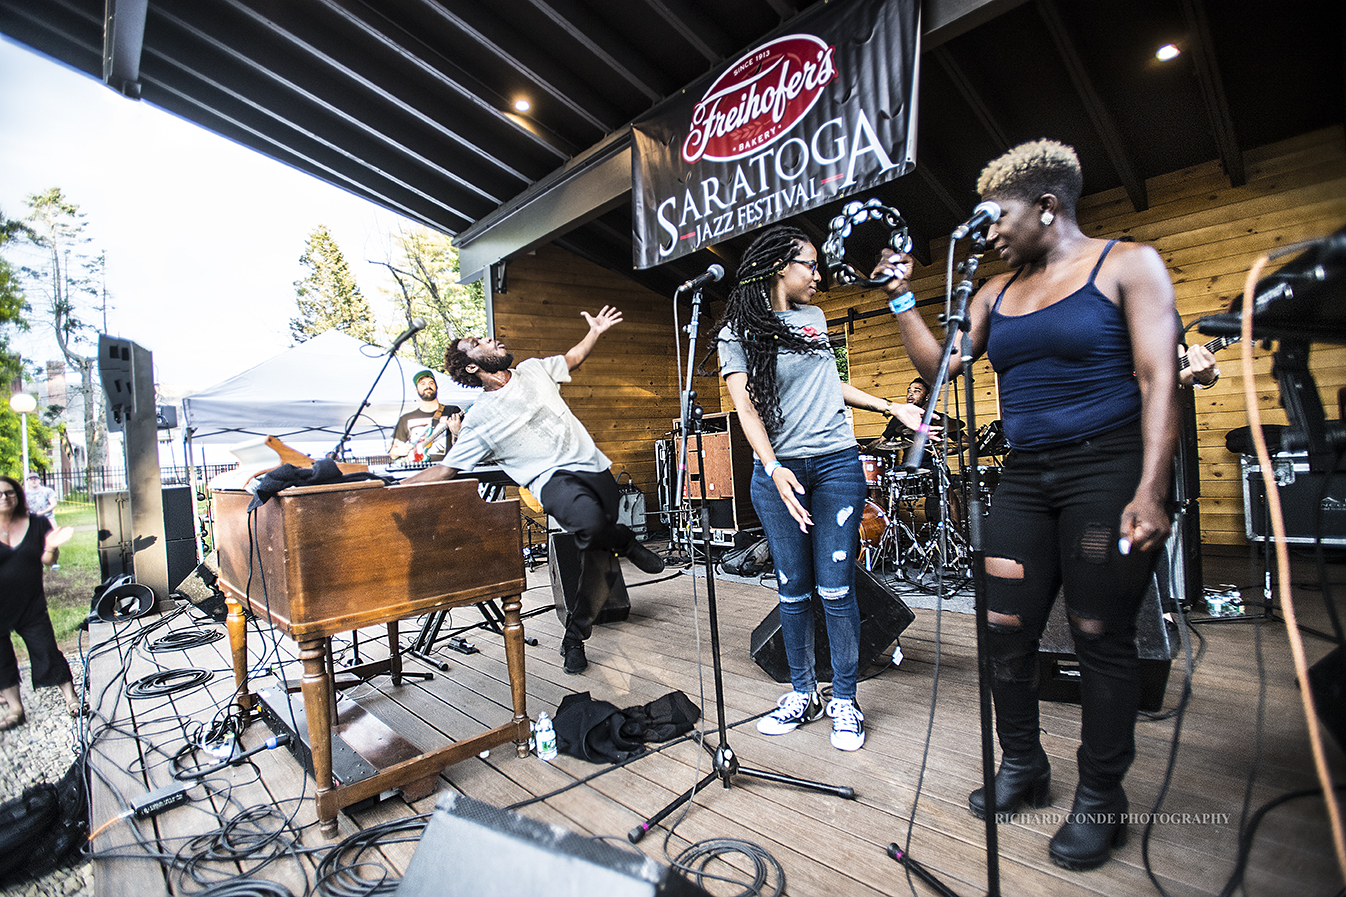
(873, 525)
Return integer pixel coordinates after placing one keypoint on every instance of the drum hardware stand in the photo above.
(493, 621)
(946, 547)
(725, 763)
(958, 336)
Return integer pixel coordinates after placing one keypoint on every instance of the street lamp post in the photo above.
(23, 404)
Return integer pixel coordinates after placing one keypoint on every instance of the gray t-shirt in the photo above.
(527, 428)
(810, 389)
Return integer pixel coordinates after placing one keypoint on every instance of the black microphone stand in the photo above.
(725, 762)
(336, 453)
(958, 334)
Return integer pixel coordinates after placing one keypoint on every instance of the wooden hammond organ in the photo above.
(333, 558)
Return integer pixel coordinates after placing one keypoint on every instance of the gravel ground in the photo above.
(41, 750)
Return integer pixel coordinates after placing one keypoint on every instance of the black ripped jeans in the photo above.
(1057, 512)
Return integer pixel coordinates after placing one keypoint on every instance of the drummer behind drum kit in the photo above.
(893, 538)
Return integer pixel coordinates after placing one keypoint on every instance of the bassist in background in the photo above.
(1196, 368)
(425, 433)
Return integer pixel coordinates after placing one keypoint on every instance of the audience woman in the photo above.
(27, 543)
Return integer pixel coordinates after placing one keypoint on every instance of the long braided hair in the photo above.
(749, 317)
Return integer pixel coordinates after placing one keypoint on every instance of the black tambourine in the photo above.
(853, 214)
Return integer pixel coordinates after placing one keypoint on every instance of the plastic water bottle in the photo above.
(545, 737)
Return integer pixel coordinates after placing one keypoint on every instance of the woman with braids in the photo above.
(807, 486)
(1083, 492)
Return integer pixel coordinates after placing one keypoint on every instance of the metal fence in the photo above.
(79, 486)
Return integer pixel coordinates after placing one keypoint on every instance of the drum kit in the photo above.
(913, 523)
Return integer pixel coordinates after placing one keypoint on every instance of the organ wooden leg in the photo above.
(237, 625)
(317, 688)
(514, 660)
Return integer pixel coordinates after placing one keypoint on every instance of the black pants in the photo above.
(49, 665)
(1057, 513)
(586, 504)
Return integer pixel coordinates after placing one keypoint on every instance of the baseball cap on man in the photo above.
(422, 374)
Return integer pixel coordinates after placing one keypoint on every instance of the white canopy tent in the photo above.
(309, 394)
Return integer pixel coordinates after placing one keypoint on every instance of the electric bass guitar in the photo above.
(1215, 345)
(421, 447)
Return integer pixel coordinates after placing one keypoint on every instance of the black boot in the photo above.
(646, 561)
(1019, 780)
(1094, 827)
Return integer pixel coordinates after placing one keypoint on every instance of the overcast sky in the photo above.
(202, 236)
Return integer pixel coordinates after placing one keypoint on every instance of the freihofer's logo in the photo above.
(759, 98)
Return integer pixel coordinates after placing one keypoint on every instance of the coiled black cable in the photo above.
(157, 685)
(336, 870)
(185, 639)
(695, 858)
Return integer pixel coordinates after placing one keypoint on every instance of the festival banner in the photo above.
(823, 109)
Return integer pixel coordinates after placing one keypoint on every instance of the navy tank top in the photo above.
(1066, 371)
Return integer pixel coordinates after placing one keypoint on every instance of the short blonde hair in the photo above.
(1031, 169)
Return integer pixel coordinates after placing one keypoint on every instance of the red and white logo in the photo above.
(759, 98)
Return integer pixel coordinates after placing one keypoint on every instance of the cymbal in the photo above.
(890, 445)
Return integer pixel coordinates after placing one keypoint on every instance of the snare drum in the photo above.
(911, 485)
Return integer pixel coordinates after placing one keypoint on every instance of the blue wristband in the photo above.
(905, 302)
(771, 467)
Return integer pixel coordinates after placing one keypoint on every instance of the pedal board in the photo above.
(284, 713)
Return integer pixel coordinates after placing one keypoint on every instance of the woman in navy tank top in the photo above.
(1082, 336)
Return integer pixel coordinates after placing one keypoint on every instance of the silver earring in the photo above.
(1047, 219)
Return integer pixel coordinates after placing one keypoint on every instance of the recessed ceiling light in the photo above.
(1167, 52)
(522, 105)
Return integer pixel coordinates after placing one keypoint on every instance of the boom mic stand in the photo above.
(336, 453)
(958, 335)
(725, 763)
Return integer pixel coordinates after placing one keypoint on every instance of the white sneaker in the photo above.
(848, 724)
(792, 710)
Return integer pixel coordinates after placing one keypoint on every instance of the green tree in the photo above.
(424, 266)
(12, 302)
(70, 281)
(327, 296)
(11, 443)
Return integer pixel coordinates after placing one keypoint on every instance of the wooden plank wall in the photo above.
(1210, 234)
(626, 393)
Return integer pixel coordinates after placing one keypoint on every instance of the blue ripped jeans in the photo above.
(823, 558)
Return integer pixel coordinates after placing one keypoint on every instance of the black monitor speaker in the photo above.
(563, 560)
(883, 617)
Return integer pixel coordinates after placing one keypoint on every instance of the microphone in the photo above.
(713, 273)
(417, 325)
(984, 214)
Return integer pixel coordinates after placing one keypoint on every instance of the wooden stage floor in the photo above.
(258, 819)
